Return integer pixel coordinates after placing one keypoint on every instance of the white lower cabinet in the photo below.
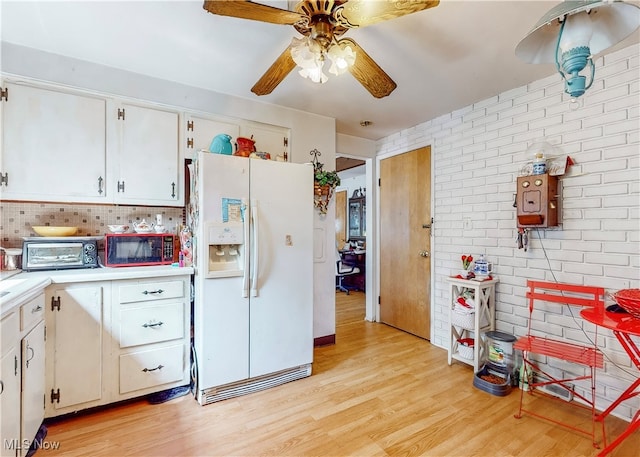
(112, 340)
(22, 375)
(33, 395)
(143, 369)
(10, 385)
(152, 322)
(75, 349)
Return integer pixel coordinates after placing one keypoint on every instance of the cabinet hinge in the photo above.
(55, 395)
(190, 126)
(15, 365)
(379, 182)
(121, 113)
(189, 142)
(378, 299)
(4, 94)
(4, 179)
(286, 141)
(55, 303)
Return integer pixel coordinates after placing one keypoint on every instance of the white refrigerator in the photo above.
(253, 304)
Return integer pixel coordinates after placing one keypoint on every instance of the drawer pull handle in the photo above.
(159, 291)
(155, 324)
(159, 367)
(36, 309)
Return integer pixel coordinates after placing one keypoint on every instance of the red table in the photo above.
(623, 326)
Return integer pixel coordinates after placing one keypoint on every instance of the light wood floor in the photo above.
(377, 391)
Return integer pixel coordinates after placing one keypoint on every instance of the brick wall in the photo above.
(477, 153)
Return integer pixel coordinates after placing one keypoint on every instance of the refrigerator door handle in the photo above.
(245, 255)
(256, 248)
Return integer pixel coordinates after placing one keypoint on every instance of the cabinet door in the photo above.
(33, 381)
(271, 139)
(54, 145)
(148, 156)
(9, 387)
(74, 345)
(200, 131)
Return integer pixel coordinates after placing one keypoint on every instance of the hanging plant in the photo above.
(324, 183)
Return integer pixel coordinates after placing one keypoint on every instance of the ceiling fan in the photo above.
(322, 23)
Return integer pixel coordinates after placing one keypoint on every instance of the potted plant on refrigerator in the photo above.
(324, 183)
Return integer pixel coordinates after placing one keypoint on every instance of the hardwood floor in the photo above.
(377, 391)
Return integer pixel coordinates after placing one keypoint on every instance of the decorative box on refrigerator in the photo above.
(253, 312)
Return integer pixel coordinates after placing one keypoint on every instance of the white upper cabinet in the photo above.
(66, 145)
(53, 145)
(148, 169)
(200, 131)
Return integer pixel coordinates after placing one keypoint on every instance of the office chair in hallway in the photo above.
(343, 270)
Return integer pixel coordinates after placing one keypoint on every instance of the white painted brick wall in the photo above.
(477, 152)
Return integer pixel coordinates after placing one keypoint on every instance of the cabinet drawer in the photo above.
(32, 312)
(10, 332)
(143, 369)
(150, 291)
(151, 324)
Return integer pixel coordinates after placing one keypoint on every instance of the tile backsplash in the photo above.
(16, 218)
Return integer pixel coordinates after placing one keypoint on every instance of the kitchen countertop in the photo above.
(18, 287)
(16, 290)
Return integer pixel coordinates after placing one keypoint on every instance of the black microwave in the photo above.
(138, 249)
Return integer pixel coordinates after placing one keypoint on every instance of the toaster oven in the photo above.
(60, 253)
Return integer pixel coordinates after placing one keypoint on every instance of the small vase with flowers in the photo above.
(466, 266)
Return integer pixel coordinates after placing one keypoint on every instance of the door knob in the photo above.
(424, 253)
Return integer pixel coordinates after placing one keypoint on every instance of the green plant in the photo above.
(327, 178)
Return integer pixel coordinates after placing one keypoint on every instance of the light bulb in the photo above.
(341, 58)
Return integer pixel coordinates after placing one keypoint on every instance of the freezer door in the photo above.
(281, 305)
(221, 313)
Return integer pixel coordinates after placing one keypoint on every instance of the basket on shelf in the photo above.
(464, 320)
(465, 347)
(629, 300)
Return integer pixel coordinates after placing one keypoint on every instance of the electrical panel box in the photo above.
(537, 201)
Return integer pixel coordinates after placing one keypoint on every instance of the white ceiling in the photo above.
(442, 59)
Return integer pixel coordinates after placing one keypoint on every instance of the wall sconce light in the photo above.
(571, 33)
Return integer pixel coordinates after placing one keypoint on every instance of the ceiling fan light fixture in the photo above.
(572, 32)
(314, 74)
(342, 57)
(305, 52)
(310, 56)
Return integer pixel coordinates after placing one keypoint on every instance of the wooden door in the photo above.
(405, 245)
(341, 218)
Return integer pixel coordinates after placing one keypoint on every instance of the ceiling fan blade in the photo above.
(369, 73)
(275, 74)
(245, 9)
(360, 13)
